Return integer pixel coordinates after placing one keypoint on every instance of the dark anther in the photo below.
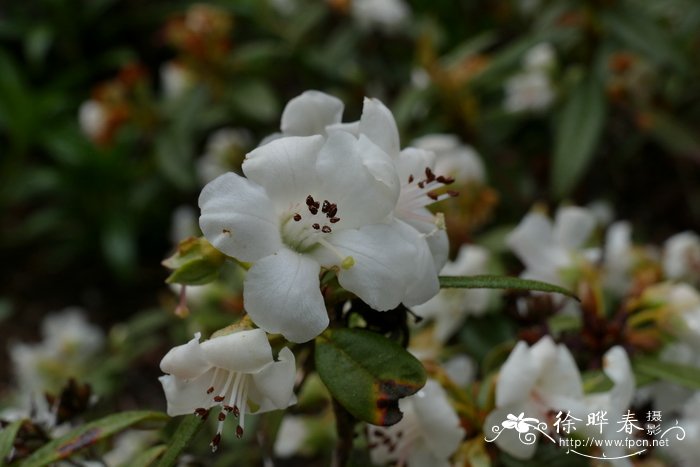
(210, 390)
(453, 193)
(216, 440)
(222, 416)
(429, 175)
(313, 210)
(239, 432)
(332, 211)
(432, 195)
(334, 220)
(228, 408)
(218, 398)
(326, 229)
(421, 184)
(316, 226)
(297, 217)
(236, 411)
(445, 180)
(309, 200)
(326, 206)
(410, 178)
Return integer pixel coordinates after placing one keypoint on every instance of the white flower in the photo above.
(291, 436)
(387, 15)
(533, 381)
(92, 117)
(452, 158)
(450, 307)
(618, 257)
(681, 257)
(175, 79)
(325, 200)
(183, 224)
(427, 435)
(666, 396)
(224, 151)
(235, 372)
(528, 91)
(539, 57)
(551, 250)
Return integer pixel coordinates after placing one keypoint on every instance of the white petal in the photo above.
(412, 162)
(238, 218)
(243, 351)
(185, 361)
(616, 365)
(359, 178)
(517, 377)
(560, 381)
(439, 422)
(390, 261)
(533, 242)
(437, 240)
(281, 294)
(275, 383)
(379, 125)
(309, 114)
(285, 167)
(572, 226)
(421, 456)
(184, 396)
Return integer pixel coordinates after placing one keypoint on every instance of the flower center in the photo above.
(418, 194)
(302, 229)
(398, 441)
(231, 395)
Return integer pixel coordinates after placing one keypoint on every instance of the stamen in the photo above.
(432, 195)
(316, 226)
(222, 416)
(332, 211)
(297, 217)
(239, 432)
(326, 229)
(410, 178)
(210, 390)
(334, 220)
(216, 440)
(346, 262)
(218, 398)
(313, 210)
(326, 206)
(310, 200)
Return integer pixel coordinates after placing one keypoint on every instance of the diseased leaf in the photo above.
(683, 375)
(89, 434)
(501, 282)
(367, 373)
(578, 130)
(188, 428)
(7, 439)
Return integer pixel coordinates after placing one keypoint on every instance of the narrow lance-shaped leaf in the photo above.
(186, 430)
(7, 439)
(578, 131)
(367, 373)
(684, 375)
(88, 435)
(501, 282)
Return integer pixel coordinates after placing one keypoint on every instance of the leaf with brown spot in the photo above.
(367, 373)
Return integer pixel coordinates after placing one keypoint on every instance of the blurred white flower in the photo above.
(461, 369)
(533, 381)
(323, 197)
(552, 251)
(387, 15)
(225, 149)
(427, 435)
(175, 79)
(291, 436)
(681, 257)
(230, 371)
(529, 91)
(92, 117)
(540, 57)
(681, 310)
(183, 224)
(618, 257)
(452, 158)
(450, 307)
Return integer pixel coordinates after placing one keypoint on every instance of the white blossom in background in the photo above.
(228, 372)
(427, 435)
(450, 307)
(687, 452)
(531, 89)
(92, 117)
(386, 15)
(618, 257)
(183, 224)
(533, 381)
(681, 257)
(461, 369)
(292, 436)
(553, 251)
(666, 396)
(453, 158)
(223, 152)
(326, 194)
(175, 79)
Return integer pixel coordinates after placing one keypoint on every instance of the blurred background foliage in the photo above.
(106, 108)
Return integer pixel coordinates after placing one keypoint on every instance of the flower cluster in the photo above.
(326, 195)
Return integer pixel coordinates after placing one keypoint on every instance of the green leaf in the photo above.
(146, 458)
(683, 375)
(501, 282)
(367, 373)
(195, 262)
(7, 439)
(188, 428)
(256, 100)
(89, 434)
(580, 125)
(674, 136)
